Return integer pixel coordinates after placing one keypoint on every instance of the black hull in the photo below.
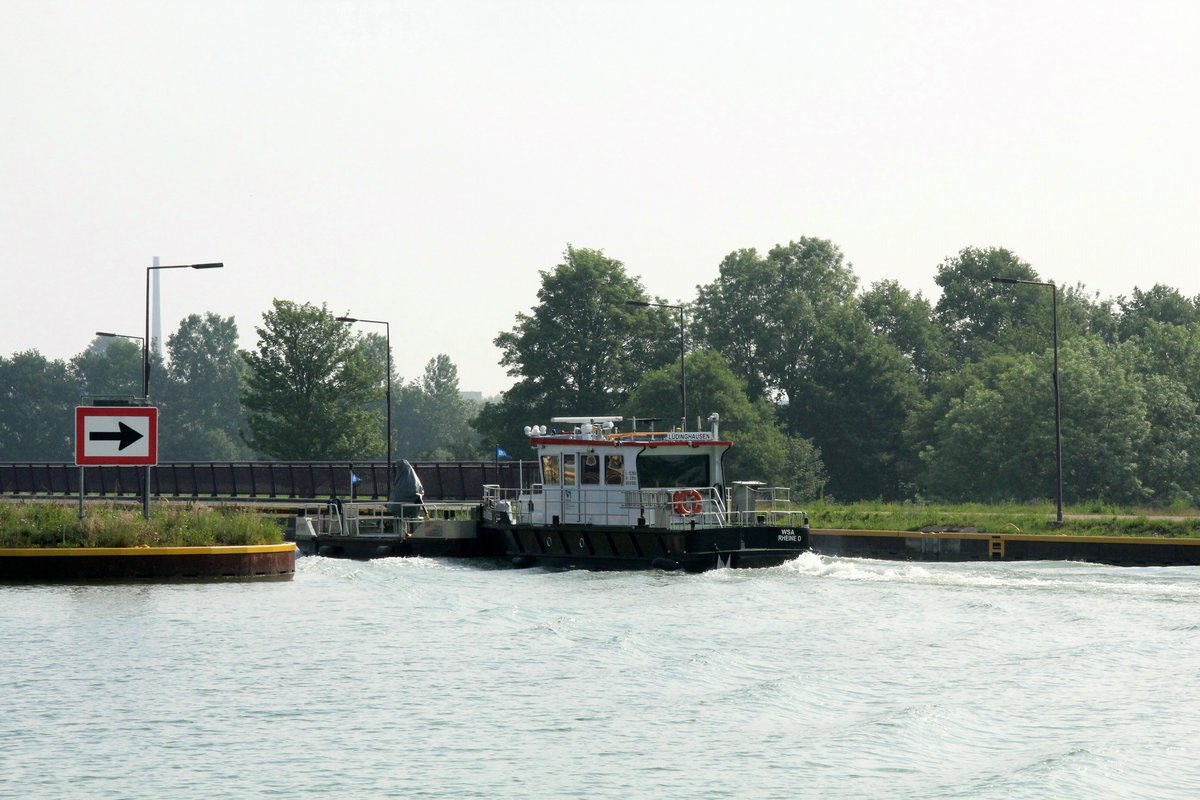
(600, 547)
(595, 547)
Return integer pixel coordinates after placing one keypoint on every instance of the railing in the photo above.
(260, 480)
(340, 518)
(589, 505)
(677, 508)
(769, 505)
(682, 505)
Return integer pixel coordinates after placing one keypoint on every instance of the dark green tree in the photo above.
(1160, 304)
(981, 318)
(1105, 420)
(580, 351)
(858, 393)
(435, 420)
(1167, 357)
(997, 442)
(1172, 351)
(906, 320)
(374, 348)
(1083, 312)
(762, 313)
(110, 367)
(948, 388)
(762, 450)
(201, 411)
(37, 401)
(791, 326)
(311, 388)
(1169, 459)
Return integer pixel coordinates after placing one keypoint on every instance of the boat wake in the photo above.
(1169, 583)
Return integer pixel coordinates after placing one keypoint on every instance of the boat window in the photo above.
(591, 469)
(614, 469)
(664, 471)
(568, 469)
(550, 470)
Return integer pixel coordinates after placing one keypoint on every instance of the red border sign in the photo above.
(99, 432)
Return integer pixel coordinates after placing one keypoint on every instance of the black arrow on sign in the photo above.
(126, 436)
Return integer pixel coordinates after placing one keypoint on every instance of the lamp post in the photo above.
(682, 374)
(120, 335)
(146, 341)
(1057, 402)
(107, 335)
(387, 330)
(146, 344)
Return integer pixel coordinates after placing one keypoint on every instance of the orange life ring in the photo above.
(687, 502)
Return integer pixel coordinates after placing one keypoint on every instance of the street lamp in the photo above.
(682, 375)
(146, 359)
(120, 336)
(146, 341)
(387, 329)
(1057, 403)
(146, 491)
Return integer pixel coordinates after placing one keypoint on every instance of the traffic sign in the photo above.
(108, 435)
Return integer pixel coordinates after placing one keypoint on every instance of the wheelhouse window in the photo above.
(550, 474)
(591, 469)
(568, 469)
(614, 470)
(657, 471)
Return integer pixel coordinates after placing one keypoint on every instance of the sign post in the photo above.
(116, 436)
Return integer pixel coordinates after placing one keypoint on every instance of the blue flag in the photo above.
(354, 478)
(500, 452)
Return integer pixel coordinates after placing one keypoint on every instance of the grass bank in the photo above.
(58, 525)
(1084, 520)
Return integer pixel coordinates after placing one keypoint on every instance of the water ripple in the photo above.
(833, 678)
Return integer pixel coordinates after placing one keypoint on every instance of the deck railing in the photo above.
(340, 518)
(674, 508)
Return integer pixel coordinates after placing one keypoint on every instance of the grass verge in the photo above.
(25, 524)
(1039, 519)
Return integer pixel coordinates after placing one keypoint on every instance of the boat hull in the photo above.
(602, 547)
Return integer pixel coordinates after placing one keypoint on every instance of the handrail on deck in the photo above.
(346, 518)
(770, 506)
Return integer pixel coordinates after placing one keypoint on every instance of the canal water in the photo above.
(830, 678)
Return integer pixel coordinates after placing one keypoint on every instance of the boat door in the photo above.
(570, 488)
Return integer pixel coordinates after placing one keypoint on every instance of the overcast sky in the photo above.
(420, 162)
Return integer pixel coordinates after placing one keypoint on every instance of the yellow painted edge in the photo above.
(1019, 537)
(233, 549)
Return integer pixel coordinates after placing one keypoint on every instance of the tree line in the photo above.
(864, 393)
(834, 389)
(310, 390)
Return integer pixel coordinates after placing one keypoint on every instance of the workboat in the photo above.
(607, 499)
(613, 500)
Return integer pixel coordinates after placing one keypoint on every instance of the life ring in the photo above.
(687, 502)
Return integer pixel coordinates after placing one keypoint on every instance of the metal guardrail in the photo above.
(261, 480)
(706, 507)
